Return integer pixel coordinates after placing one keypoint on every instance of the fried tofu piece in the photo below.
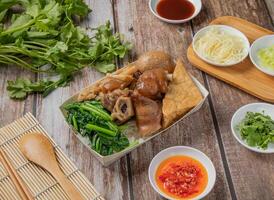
(182, 96)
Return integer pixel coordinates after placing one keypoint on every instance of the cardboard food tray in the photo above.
(107, 160)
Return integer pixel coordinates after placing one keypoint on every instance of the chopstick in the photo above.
(18, 182)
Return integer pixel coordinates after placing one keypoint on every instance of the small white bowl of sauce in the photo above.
(175, 11)
(182, 173)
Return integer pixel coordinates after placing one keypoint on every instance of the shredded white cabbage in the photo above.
(220, 47)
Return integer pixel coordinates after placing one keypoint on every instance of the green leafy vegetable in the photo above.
(91, 120)
(257, 129)
(45, 39)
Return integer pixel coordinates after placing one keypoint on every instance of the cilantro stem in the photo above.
(12, 59)
(36, 43)
(36, 47)
(18, 28)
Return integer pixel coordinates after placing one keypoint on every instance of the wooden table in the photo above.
(241, 174)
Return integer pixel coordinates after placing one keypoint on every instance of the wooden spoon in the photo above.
(38, 149)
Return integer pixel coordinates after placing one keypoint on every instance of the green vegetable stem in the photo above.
(100, 130)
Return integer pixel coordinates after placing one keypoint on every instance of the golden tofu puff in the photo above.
(182, 95)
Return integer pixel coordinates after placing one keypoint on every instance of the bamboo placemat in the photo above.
(40, 183)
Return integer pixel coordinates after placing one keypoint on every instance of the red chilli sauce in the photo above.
(181, 177)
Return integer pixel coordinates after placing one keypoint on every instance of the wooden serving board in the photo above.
(244, 75)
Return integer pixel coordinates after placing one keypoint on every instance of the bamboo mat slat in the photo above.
(40, 183)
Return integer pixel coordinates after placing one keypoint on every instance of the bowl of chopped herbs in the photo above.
(253, 126)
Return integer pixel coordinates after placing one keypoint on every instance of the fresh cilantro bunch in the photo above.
(257, 129)
(45, 39)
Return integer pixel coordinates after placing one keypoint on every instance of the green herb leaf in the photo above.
(20, 88)
(77, 7)
(5, 4)
(2, 14)
(105, 67)
(257, 129)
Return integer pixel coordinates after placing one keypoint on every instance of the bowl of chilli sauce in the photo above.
(175, 11)
(182, 173)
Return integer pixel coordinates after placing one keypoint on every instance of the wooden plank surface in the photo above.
(9, 109)
(250, 171)
(207, 130)
(270, 6)
(148, 33)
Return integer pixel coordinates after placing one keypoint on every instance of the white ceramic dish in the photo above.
(187, 151)
(261, 43)
(197, 4)
(239, 115)
(229, 30)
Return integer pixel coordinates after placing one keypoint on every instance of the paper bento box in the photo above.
(107, 160)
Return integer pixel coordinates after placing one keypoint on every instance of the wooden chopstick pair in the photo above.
(16, 179)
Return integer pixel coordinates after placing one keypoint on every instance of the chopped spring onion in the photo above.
(266, 56)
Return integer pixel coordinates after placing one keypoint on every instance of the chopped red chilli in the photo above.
(181, 178)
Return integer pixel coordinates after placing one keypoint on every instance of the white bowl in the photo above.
(197, 4)
(229, 30)
(262, 42)
(186, 151)
(239, 115)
